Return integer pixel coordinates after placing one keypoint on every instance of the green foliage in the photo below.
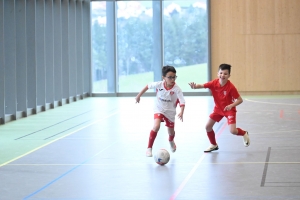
(98, 50)
(185, 37)
(185, 46)
(134, 44)
(135, 82)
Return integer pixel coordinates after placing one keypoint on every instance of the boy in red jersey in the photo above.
(226, 98)
(168, 95)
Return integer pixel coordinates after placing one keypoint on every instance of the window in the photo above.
(132, 40)
(99, 40)
(134, 45)
(186, 41)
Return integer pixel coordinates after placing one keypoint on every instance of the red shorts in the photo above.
(230, 115)
(163, 118)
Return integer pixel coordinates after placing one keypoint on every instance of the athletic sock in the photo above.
(241, 132)
(152, 137)
(211, 137)
(171, 137)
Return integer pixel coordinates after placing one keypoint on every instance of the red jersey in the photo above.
(223, 96)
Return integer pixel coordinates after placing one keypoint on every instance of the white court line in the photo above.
(237, 163)
(289, 104)
(182, 185)
(275, 132)
(187, 178)
(142, 164)
(264, 111)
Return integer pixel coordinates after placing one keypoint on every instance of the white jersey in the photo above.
(167, 99)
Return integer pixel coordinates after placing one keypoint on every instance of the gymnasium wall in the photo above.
(261, 40)
(44, 55)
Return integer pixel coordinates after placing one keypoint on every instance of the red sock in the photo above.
(241, 132)
(171, 137)
(152, 137)
(211, 137)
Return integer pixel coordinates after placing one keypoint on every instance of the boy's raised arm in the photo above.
(195, 85)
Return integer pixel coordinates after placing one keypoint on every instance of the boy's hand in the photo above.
(228, 107)
(193, 85)
(137, 99)
(180, 116)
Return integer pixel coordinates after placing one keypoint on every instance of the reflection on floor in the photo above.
(95, 149)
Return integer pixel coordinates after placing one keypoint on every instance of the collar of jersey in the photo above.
(166, 86)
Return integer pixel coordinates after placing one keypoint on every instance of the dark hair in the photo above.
(224, 67)
(167, 69)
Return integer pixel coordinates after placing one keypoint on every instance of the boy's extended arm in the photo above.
(137, 98)
(180, 115)
(196, 86)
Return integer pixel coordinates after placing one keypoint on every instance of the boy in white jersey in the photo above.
(168, 95)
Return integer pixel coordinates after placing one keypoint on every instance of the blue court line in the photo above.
(66, 173)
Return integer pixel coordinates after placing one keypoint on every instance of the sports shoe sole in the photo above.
(149, 153)
(214, 149)
(248, 143)
(173, 149)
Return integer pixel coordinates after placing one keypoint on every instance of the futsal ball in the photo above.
(162, 157)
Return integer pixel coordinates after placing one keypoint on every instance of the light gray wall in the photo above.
(44, 55)
(2, 102)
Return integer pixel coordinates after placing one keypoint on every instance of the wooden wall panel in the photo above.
(260, 62)
(261, 40)
(238, 69)
(221, 27)
(287, 57)
(287, 16)
(257, 16)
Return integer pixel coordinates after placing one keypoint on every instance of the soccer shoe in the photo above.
(149, 152)
(172, 146)
(212, 148)
(246, 139)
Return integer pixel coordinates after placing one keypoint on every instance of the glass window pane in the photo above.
(132, 40)
(134, 45)
(99, 57)
(185, 32)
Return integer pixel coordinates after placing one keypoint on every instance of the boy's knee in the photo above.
(156, 128)
(208, 128)
(171, 133)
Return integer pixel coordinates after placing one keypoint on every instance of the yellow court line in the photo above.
(68, 139)
(141, 163)
(29, 152)
(272, 103)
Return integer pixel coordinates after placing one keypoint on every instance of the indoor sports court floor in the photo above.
(95, 149)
